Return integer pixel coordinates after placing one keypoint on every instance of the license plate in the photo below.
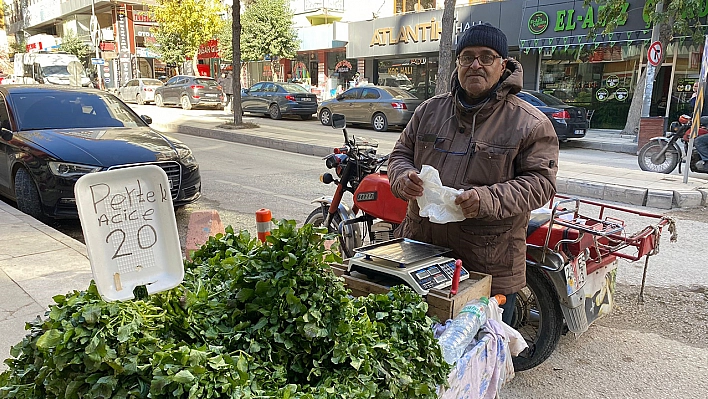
(214, 95)
(307, 99)
(580, 132)
(575, 274)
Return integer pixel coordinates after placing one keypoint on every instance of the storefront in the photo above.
(600, 72)
(403, 50)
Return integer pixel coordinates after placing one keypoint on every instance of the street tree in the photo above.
(184, 25)
(268, 32)
(73, 45)
(675, 18)
(445, 59)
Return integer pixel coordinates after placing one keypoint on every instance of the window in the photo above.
(4, 116)
(370, 94)
(256, 87)
(351, 94)
(403, 6)
(173, 80)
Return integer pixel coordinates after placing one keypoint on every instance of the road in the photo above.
(655, 349)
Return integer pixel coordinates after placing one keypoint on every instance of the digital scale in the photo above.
(405, 261)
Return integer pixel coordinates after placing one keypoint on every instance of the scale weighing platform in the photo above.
(405, 261)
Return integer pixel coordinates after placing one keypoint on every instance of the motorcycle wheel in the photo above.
(317, 218)
(539, 319)
(666, 164)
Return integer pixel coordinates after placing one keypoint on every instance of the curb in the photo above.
(662, 199)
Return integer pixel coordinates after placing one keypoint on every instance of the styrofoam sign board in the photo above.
(130, 230)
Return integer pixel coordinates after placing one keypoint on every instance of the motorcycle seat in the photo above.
(538, 218)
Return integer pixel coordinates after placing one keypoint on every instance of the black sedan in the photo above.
(52, 135)
(278, 99)
(569, 121)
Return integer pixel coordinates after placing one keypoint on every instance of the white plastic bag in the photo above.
(438, 201)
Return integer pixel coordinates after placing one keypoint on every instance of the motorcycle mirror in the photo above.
(339, 121)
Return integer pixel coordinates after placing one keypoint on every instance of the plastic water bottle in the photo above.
(463, 329)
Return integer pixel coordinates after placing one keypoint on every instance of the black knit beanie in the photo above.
(484, 35)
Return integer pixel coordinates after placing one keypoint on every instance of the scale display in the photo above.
(404, 261)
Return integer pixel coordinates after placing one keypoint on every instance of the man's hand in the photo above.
(469, 202)
(411, 185)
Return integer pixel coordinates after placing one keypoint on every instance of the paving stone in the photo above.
(585, 188)
(688, 199)
(625, 195)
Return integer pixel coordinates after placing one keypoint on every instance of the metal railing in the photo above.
(333, 5)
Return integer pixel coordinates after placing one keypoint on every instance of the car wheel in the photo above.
(326, 117)
(139, 99)
(186, 104)
(158, 100)
(274, 112)
(27, 195)
(305, 117)
(379, 122)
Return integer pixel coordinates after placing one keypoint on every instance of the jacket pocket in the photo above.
(489, 248)
(488, 165)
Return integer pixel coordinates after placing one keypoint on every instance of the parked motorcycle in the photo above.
(376, 212)
(664, 154)
(571, 257)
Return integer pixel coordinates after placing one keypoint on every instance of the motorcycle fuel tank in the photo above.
(374, 196)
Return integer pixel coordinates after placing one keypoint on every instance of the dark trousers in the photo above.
(701, 144)
(508, 308)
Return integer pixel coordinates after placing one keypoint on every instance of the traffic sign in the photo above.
(98, 61)
(107, 80)
(655, 53)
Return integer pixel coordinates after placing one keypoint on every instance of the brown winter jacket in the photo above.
(506, 150)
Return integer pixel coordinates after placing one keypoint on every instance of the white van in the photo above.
(47, 68)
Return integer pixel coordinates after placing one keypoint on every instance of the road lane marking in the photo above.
(259, 190)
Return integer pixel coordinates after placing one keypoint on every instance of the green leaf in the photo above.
(183, 377)
(49, 339)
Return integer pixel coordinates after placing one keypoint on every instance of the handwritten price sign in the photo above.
(130, 230)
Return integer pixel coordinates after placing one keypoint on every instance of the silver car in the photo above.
(381, 106)
(141, 91)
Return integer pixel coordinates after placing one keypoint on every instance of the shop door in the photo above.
(661, 92)
(314, 72)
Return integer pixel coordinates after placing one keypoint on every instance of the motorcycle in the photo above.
(572, 258)
(664, 154)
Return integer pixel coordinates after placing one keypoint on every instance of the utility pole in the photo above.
(651, 69)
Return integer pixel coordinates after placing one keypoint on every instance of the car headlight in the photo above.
(65, 169)
(186, 157)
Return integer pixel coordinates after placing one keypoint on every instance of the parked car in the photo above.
(381, 106)
(278, 99)
(569, 121)
(52, 135)
(141, 91)
(190, 92)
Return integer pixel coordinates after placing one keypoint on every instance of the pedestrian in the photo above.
(482, 139)
(226, 83)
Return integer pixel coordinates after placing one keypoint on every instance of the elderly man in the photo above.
(499, 149)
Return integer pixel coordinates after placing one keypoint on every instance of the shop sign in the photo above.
(602, 95)
(621, 94)
(343, 66)
(142, 17)
(209, 49)
(126, 67)
(538, 22)
(612, 81)
(427, 31)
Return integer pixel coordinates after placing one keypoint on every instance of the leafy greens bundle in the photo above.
(249, 321)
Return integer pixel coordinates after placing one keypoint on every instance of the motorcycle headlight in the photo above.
(65, 169)
(186, 157)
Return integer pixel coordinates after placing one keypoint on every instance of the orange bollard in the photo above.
(263, 217)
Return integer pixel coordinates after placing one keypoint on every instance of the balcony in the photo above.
(320, 12)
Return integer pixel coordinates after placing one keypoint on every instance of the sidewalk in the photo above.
(36, 263)
(629, 187)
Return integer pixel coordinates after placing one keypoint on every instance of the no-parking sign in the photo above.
(655, 53)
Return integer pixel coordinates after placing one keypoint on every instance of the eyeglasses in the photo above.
(484, 59)
(445, 142)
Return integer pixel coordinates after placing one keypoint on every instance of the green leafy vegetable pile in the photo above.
(249, 321)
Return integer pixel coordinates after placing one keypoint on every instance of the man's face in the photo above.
(695, 87)
(475, 78)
